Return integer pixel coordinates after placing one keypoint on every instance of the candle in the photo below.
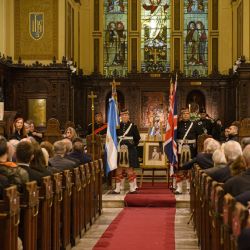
(189, 107)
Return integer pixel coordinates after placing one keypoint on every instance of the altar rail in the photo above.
(217, 218)
(54, 215)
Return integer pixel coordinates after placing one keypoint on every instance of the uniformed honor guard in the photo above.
(99, 126)
(187, 134)
(207, 123)
(128, 139)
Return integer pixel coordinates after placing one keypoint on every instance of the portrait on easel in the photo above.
(153, 154)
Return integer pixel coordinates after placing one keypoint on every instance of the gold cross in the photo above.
(114, 84)
(92, 97)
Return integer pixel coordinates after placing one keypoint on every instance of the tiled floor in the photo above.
(184, 233)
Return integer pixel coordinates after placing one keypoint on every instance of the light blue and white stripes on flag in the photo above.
(111, 138)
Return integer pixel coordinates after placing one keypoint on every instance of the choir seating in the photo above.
(54, 215)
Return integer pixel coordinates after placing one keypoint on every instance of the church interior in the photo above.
(173, 157)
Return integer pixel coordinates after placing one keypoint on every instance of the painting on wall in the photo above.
(37, 111)
(154, 108)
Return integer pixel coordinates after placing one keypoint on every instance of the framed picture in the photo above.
(37, 111)
(153, 155)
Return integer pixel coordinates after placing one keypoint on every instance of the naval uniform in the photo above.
(99, 128)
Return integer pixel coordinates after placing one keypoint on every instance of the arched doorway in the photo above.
(196, 101)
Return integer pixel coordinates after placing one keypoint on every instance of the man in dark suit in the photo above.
(58, 161)
(204, 159)
(77, 154)
(24, 155)
(240, 183)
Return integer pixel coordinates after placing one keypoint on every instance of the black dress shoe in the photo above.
(114, 192)
(177, 192)
(134, 192)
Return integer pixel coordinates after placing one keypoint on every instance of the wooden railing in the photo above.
(54, 215)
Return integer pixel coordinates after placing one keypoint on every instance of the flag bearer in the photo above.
(128, 139)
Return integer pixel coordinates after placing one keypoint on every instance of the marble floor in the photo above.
(184, 234)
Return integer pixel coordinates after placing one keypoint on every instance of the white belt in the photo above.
(126, 137)
(186, 141)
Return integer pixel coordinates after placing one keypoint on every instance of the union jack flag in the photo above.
(170, 147)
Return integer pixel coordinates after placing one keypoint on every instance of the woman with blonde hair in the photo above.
(70, 133)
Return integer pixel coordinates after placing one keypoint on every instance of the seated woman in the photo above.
(18, 130)
(33, 132)
(70, 133)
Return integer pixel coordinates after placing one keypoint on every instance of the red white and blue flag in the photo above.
(170, 145)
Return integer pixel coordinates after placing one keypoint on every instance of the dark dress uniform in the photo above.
(207, 126)
(100, 128)
(192, 135)
(131, 140)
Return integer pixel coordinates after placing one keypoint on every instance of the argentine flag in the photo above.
(111, 138)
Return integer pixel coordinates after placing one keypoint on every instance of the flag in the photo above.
(111, 138)
(170, 145)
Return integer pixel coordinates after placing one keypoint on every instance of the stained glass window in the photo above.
(115, 38)
(155, 35)
(195, 37)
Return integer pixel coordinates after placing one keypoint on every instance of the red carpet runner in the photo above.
(151, 196)
(149, 228)
(140, 229)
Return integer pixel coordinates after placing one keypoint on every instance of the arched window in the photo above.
(195, 37)
(155, 35)
(115, 37)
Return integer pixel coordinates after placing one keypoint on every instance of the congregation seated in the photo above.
(243, 198)
(58, 161)
(31, 131)
(233, 133)
(24, 156)
(204, 159)
(18, 130)
(49, 148)
(241, 182)
(38, 162)
(77, 153)
(70, 133)
(232, 150)
(219, 161)
(14, 173)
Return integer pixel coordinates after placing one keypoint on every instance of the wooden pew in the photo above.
(82, 200)
(44, 215)
(207, 218)
(96, 188)
(92, 192)
(228, 204)
(240, 217)
(53, 132)
(56, 211)
(216, 212)
(66, 210)
(29, 214)
(101, 175)
(88, 203)
(9, 219)
(75, 207)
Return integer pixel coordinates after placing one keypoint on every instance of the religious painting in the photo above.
(196, 101)
(153, 155)
(196, 37)
(154, 109)
(155, 35)
(37, 111)
(115, 40)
